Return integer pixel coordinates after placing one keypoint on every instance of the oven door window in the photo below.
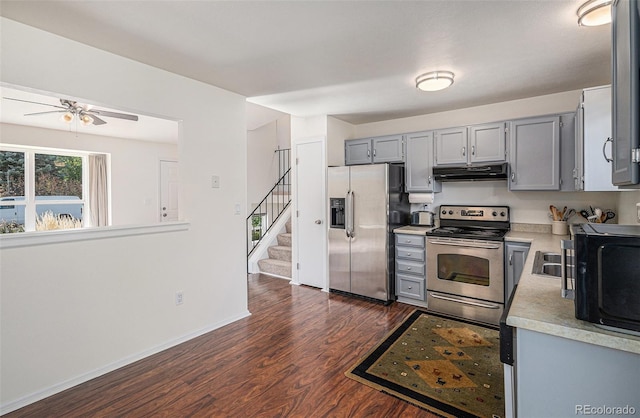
(463, 269)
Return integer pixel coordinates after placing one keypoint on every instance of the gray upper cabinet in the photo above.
(625, 47)
(451, 146)
(383, 149)
(357, 151)
(419, 163)
(388, 149)
(487, 143)
(593, 141)
(534, 153)
(476, 144)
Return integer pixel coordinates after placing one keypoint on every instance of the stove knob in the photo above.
(444, 212)
(503, 214)
(494, 213)
(450, 212)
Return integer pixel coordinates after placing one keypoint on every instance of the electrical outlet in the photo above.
(179, 298)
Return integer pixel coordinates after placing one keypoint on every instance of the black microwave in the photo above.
(606, 273)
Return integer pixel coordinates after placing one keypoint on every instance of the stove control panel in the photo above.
(475, 213)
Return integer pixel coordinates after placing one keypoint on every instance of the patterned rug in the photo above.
(448, 367)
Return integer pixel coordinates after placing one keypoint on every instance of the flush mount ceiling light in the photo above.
(434, 81)
(594, 13)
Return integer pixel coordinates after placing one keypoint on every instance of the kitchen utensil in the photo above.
(609, 214)
(584, 214)
(568, 214)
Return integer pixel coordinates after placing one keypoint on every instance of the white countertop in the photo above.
(538, 305)
(413, 230)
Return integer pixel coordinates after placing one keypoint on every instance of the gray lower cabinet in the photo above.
(419, 163)
(515, 255)
(534, 153)
(411, 266)
(561, 377)
(382, 149)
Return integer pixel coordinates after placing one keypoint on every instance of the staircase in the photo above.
(279, 262)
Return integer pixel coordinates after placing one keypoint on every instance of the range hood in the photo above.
(472, 172)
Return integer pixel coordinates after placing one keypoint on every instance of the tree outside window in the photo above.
(57, 196)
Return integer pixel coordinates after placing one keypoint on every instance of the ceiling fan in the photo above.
(86, 115)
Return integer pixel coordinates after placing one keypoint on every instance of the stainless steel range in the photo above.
(465, 262)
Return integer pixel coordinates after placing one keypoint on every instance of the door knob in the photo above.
(164, 215)
(318, 221)
(164, 208)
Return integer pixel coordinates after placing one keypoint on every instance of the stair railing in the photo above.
(267, 212)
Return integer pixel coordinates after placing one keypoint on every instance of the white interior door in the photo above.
(310, 222)
(169, 189)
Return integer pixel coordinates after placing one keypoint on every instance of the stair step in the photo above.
(280, 252)
(278, 268)
(284, 239)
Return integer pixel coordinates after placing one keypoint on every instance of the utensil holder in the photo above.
(560, 228)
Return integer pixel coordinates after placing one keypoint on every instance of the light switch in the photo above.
(237, 209)
(215, 182)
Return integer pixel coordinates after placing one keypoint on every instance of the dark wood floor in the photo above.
(286, 360)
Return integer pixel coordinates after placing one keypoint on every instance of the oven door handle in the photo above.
(465, 302)
(488, 245)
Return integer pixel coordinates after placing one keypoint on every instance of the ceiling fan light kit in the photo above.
(594, 13)
(86, 115)
(434, 80)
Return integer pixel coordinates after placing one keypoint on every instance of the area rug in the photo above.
(449, 367)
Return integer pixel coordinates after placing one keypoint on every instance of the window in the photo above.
(42, 189)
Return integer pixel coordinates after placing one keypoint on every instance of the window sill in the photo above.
(28, 239)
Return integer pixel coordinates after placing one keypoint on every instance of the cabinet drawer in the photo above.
(410, 267)
(410, 240)
(410, 287)
(410, 253)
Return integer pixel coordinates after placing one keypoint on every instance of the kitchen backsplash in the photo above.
(533, 207)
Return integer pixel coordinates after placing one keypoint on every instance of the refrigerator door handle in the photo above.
(349, 210)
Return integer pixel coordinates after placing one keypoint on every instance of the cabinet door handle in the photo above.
(511, 259)
(429, 179)
(464, 151)
(473, 150)
(374, 152)
(604, 153)
(368, 153)
(513, 176)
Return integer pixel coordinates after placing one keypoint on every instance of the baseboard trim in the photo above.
(57, 388)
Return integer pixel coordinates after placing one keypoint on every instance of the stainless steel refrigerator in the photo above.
(366, 202)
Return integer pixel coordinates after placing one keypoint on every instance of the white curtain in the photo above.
(98, 195)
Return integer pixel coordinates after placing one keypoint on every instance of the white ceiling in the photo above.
(356, 60)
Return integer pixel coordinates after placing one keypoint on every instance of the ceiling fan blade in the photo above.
(112, 114)
(29, 101)
(97, 120)
(44, 113)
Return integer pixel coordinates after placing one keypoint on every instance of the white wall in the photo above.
(135, 166)
(337, 132)
(541, 105)
(526, 207)
(262, 160)
(72, 311)
(627, 207)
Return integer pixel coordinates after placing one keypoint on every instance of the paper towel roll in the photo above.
(420, 197)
